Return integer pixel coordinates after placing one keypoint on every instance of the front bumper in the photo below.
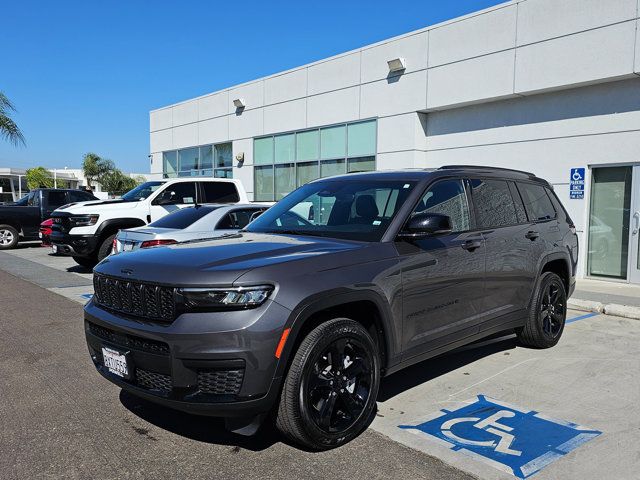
(217, 363)
(74, 245)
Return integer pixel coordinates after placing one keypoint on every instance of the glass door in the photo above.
(609, 221)
(634, 242)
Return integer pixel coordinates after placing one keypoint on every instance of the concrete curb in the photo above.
(625, 311)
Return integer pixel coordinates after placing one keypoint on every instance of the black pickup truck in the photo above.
(21, 220)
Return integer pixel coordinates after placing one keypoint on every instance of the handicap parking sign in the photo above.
(576, 183)
(518, 441)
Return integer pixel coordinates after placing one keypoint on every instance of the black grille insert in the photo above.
(135, 298)
(220, 382)
(153, 381)
(128, 341)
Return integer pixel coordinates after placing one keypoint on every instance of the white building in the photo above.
(539, 85)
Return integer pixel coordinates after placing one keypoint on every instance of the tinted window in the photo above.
(57, 198)
(493, 203)
(536, 201)
(520, 211)
(142, 191)
(220, 192)
(357, 210)
(34, 199)
(183, 193)
(236, 220)
(78, 196)
(183, 217)
(447, 198)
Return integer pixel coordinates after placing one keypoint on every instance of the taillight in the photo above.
(114, 245)
(155, 243)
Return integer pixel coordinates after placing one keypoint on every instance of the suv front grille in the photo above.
(153, 381)
(220, 382)
(128, 341)
(135, 298)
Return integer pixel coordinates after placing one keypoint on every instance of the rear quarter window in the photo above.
(536, 202)
(182, 218)
(220, 192)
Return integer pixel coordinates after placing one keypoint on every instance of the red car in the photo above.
(45, 232)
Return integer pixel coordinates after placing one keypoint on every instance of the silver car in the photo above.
(191, 223)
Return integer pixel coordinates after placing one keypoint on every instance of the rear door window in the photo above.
(536, 202)
(57, 198)
(236, 220)
(493, 203)
(220, 192)
(183, 218)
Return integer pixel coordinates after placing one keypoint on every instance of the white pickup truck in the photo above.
(86, 230)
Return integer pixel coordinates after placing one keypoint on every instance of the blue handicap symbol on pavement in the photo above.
(507, 437)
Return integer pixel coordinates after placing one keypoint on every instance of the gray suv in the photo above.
(344, 281)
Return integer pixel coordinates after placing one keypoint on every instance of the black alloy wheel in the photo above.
(553, 309)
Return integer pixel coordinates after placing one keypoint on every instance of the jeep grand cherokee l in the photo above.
(302, 317)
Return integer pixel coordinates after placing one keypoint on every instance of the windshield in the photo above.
(142, 191)
(353, 210)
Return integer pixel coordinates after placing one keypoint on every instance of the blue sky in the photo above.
(84, 75)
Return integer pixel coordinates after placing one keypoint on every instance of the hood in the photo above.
(93, 206)
(220, 261)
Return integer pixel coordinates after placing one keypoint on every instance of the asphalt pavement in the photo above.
(60, 419)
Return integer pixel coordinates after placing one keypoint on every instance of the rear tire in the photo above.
(87, 262)
(330, 391)
(547, 315)
(9, 237)
(105, 247)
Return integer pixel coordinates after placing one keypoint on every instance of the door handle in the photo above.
(636, 221)
(532, 235)
(471, 245)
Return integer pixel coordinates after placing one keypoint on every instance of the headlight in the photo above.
(83, 220)
(224, 298)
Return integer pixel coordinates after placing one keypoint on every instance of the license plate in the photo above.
(127, 246)
(115, 362)
(54, 249)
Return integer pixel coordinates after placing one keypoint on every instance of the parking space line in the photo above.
(582, 317)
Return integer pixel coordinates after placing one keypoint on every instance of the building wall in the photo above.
(539, 85)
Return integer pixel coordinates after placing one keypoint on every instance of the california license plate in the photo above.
(116, 362)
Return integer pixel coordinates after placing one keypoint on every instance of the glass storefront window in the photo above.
(307, 172)
(364, 164)
(285, 148)
(224, 155)
(332, 142)
(263, 180)
(285, 180)
(329, 168)
(609, 222)
(361, 139)
(307, 145)
(206, 157)
(170, 163)
(224, 173)
(263, 151)
(188, 159)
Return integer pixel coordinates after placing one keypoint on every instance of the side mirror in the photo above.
(427, 224)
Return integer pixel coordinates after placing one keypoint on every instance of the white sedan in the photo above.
(191, 223)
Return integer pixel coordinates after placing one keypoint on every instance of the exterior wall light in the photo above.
(239, 103)
(397, 65)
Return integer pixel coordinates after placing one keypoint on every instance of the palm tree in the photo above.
(8, 128)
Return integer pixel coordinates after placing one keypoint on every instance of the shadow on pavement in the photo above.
(79, 269)
(196, 427)
(423, 372)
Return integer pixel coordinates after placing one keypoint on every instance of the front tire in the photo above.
(547, 315)
(87, 262)
(105, 247)
(331, 388)
(9, 237)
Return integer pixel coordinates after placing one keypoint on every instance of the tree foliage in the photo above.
(8, 128)
(39, 177)
(116, 182)
(94, 166)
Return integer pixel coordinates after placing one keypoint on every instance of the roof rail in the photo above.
(484, 167)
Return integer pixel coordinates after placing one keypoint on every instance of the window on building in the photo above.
(206, 160)
(284, 162)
